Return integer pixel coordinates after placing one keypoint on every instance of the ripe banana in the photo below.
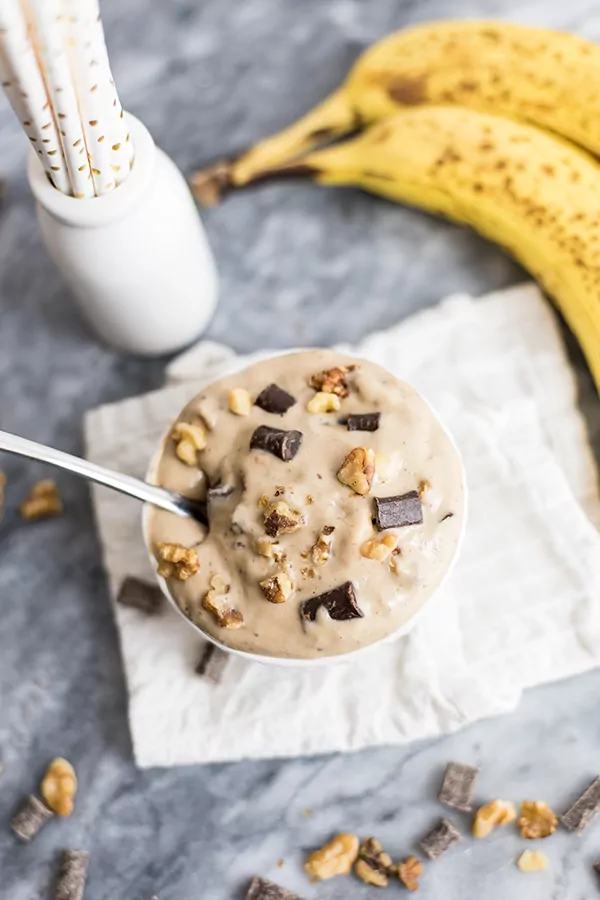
(535, 194)
(544, 77)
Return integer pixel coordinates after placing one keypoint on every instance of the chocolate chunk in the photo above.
(213, 663)
(218, 492)
(447, 516)
(458, 786)
(340, 603)
(363, 421)
(261, 889)
(274, 399)
(283, 444)
(585, 808)
(72, 875)
(440, 839)
(143, 596)
(394, 512)
(30, 817)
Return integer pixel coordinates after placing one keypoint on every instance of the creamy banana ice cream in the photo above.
(335, 504)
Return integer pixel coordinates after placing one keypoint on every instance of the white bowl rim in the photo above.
(231, 367)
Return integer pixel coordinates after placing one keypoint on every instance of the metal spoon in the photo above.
(176, 503)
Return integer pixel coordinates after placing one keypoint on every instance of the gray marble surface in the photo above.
(298, 265)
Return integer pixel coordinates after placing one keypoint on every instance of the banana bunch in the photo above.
(474, 121)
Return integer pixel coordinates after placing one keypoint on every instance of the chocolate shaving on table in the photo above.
(261, 889)
(219, 492)
(340, 602)
(586, 807)
(148, 598)
(212, 664)
(440, 839)
(274, 399)
(363, 421)
(30, 817)
(282, 444)
(458, 786)
(72, 875)
(395, 512)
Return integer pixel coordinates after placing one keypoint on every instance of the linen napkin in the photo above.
(521, 608)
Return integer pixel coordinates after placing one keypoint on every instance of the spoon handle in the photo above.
(149, 493)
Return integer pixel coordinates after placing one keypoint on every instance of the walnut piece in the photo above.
(493, 814)
(332, 381)
(280, 519)
(215, 602)
(532, 861)
(536, 820)
(335, 858)
(323, 403)
(270, 549)
(373, 865)
(278, 588)
(409, 872)
(358, 470)
(321, 549)
(176, 561)
(379, 547)
(239, 402)
(189, 440)
(59, 787)
(43, 500)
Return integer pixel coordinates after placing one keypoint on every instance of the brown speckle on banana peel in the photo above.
(515, 184)
(545, 77)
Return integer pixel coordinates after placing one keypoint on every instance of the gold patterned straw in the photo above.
(24, 85)
(50, 36)
(109, 144)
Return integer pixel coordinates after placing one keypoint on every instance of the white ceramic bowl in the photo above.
(288, 662)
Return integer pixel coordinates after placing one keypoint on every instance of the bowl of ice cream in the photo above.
(336, 503)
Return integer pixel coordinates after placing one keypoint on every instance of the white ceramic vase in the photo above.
(137, 260)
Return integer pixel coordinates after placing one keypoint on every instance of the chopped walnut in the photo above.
(176, 561)
(536, 820)
(239, 402)
(215, 602)
(533, 861)
(263, 501)
(488, 817)
(270, 549)
(409, 872)
(332, 381)
(424, 486)
(278, 588)
(358, 470)
(323, 403)
(321, 549)
(335, 858)
(280, 519)
(373, 865)
(379, 547)
(43, 500)
(190, 439)
(59, 787)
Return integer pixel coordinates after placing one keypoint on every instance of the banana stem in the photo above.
(331, 119)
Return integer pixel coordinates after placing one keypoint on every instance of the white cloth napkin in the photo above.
(522, 607)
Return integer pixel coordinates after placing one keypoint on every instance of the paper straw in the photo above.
(109, 144)
(24, 85)
(47, 22)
